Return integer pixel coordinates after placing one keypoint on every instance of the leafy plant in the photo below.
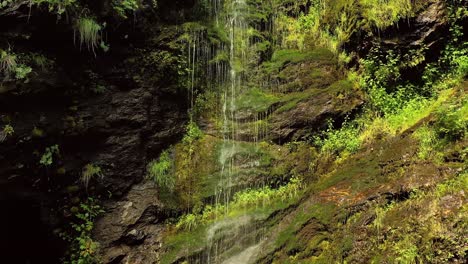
(343, 139)
(83, 249)
(123, 7)
(90, 171)
(22, 71)
(160, 171)
(47, 157)
(193, 133)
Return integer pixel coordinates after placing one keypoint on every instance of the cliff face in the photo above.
(116, 110)
(340, 178)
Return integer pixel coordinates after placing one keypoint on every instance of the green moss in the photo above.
(322, 212)
(175, 242)
(290, 101)
(190, 234)
(255, 100)
(282, 57)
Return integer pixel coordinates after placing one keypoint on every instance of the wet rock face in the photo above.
(130, 231)
(119, 128)
(311, 115)
(427, 28)
(131, 125)
(119, 131)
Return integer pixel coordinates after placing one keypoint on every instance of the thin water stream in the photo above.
(236, 240)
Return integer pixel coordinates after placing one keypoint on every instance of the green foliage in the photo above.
(452, 186)
(330, 24)
(8, 130)
(89, 33)
(282, 57)
(123, 7)
(161, 171)
(5, 3)
(249, 199)
(406, 251)
(48, 157)
(452, 121)
(343, 139)
(57, 6)
(454, 60)
(382, 14)
(90, 171)
(193, 132)
(428, 141)
(381, 78)
(7, 63)
(10, 68)
(83, 250)
(41, 62)
(22, 71)
(187, 222)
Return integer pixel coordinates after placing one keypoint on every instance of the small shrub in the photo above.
(160, 171)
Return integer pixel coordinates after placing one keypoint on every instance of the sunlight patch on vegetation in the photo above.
(243, 202)
(331, 25)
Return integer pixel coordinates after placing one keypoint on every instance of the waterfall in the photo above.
(222, 64)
